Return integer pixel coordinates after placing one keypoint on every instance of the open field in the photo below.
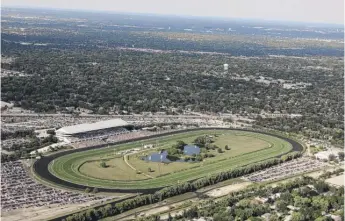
(337, 180)
(227, 189)
(116, 169)
(64, 168)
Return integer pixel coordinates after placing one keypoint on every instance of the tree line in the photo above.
(19, 151)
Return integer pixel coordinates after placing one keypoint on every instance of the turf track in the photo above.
(41, 167)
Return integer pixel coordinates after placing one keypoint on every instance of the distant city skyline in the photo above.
(309, 11)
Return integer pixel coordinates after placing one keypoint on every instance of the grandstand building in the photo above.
(98, 130)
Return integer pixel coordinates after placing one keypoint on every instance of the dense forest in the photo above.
(108, 65)
(308, 199)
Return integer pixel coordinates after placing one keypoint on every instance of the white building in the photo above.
(81, 129)
(5, 105)
(47, 148)
(226, 67)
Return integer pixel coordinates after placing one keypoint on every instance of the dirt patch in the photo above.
(161, 209)
(316, 174)
(227, 189)
(337, 180)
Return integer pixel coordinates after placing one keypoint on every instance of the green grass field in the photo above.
(84, 167)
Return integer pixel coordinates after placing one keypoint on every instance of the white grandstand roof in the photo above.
(3, 104)
(83, 128)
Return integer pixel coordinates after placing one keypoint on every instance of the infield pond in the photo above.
(162, 156)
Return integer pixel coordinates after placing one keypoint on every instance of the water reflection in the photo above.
(191, 149)
(162, 156)
(158, 157)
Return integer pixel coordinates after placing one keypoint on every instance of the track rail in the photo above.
(40, 167)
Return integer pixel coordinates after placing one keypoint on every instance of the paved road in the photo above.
(41, 166)
(126, 161)
(34, 115)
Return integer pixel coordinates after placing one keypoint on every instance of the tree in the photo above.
(191, 213)
(227, 147)
(179, 145)
(90, 214)
(321, 203)
(95, 190)
(309, 213)
(301, 201)
(87, 190)
(321, 186)
(219, 150)
(50, 139)
(274, 217)
(170, 218)
(199, 158)
(150, 169)
(297, 216)
(284, 158)
(203, 141)
(341, 156)
(286, 197)
(281, 206)
(103, 164)
(51, 132)
(331, 157)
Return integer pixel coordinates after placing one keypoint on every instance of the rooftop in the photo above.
(3, 104)
(83, 128)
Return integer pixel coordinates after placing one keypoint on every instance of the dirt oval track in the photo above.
(40, 167)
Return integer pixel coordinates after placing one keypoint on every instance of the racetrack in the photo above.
(40, 167)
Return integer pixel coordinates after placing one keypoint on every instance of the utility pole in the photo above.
(159, 165)
(159, 169)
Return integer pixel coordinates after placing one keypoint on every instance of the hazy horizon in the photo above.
(295, 11)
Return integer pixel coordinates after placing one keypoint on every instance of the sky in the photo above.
(315, 11)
